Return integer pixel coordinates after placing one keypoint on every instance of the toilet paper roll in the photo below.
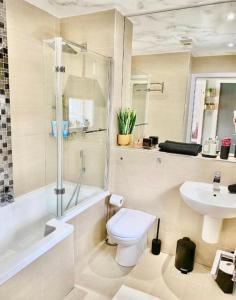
(227, 267)
(116, 200)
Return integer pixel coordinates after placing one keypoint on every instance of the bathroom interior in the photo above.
(117, 150)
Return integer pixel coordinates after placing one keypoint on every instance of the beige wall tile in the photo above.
(28, 162)
(27, 27)
(214, 64)
(51, 159)
(94, 155)
(36, 23)
(27, 120)
(97, 30)
(127, 61)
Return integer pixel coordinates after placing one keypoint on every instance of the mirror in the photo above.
(213, 100)
(183, 82)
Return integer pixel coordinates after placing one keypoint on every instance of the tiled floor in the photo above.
(155, 275)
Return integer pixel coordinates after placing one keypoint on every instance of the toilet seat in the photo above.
(129, 224)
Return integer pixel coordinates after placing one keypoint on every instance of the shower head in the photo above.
(66, 48)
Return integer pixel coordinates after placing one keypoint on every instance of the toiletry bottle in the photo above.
(225, 148)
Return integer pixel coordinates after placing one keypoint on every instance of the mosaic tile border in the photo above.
(6, 178)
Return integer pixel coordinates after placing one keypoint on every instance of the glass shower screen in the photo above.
(82, 80)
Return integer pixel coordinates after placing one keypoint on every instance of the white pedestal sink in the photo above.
(214, 206)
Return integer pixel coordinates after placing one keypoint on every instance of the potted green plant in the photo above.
(126, 118)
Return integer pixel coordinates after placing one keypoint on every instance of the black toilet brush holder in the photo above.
(156, 243)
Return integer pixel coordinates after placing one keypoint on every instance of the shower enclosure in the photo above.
(77, 88)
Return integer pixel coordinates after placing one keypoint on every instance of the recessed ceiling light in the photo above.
(230, 45)
(230, 16)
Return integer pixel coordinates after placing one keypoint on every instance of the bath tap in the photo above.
(216, 182)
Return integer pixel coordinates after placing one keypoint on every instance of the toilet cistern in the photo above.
(216, 181)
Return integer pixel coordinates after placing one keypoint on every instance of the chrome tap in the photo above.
(216, 181)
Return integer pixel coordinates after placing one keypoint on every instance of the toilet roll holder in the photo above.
(224, 271)
(221, 255)
(111, 213)
(111, 204)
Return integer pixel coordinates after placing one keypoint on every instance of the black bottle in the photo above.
(185, 253)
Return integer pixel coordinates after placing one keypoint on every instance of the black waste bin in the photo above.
(185, 253)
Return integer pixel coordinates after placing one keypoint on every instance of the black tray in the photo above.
(209, 156)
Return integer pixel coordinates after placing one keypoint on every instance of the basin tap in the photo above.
(216, 181)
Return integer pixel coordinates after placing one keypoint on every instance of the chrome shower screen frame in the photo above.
(59, 119)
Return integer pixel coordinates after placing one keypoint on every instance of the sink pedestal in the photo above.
(211, 229)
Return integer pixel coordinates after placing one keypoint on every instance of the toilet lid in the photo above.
(129, 223)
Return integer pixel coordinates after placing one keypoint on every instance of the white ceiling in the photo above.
(67, 8)
(207, 26)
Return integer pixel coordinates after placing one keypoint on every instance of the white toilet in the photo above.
(128, 228)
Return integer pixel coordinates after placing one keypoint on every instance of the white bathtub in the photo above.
(23, 223)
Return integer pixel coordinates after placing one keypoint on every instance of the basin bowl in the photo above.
(201, 198)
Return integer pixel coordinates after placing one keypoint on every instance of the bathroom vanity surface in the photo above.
(231, 158)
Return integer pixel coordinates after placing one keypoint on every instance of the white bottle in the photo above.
(206, 147)
(212, 148)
